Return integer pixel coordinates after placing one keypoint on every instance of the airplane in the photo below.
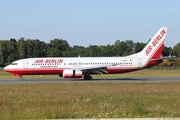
(78, 67)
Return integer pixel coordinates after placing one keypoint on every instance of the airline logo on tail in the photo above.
(157, 39)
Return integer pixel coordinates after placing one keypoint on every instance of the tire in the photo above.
(21, 78)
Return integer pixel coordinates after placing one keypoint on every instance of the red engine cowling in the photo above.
(70, 73)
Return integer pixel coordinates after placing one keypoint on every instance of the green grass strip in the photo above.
(89, 100)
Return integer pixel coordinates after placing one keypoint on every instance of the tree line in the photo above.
(11, 50)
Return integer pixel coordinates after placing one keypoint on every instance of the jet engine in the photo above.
(70, 73)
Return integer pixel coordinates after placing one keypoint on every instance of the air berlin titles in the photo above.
(48, 61)
(155, 42)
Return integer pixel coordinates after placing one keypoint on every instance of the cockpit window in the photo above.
(13, 64)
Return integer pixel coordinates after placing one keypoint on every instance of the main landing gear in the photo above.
(87, 77)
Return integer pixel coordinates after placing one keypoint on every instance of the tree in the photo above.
(167, 51)
(123, 48)
(109, 51)
(77, 51)
(102, 50)
(12, 50)
(3, 52)
(93, 50)
(138, 47)
(57, 48)
(130, 47)
(43, 49)
(22, 48)
(29, 48)
(117, 48)
(176, 50)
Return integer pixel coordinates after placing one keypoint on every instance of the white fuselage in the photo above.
(57, 65)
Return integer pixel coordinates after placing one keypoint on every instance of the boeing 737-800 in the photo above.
(78, 67)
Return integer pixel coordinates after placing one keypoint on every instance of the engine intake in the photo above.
(70, 73)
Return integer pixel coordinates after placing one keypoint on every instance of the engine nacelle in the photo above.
(70, 73)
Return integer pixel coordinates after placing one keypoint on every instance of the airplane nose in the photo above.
(5, 68)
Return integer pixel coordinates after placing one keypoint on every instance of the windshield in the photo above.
(13, 64)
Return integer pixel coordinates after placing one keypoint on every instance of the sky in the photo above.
(89, 22)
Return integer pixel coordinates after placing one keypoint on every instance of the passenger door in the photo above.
(139, 62)
(25, 64)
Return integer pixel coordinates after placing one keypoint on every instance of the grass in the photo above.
(89, 100)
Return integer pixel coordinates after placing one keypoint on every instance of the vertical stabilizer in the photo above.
(154, 47)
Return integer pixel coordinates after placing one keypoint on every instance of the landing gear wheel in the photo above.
(21, 78)
(87, 77)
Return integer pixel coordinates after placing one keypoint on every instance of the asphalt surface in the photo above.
(62, 80)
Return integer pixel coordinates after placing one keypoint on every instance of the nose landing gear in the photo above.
(21, 78)
(19, 75)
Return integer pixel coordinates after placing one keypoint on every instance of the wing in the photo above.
(96, 69)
